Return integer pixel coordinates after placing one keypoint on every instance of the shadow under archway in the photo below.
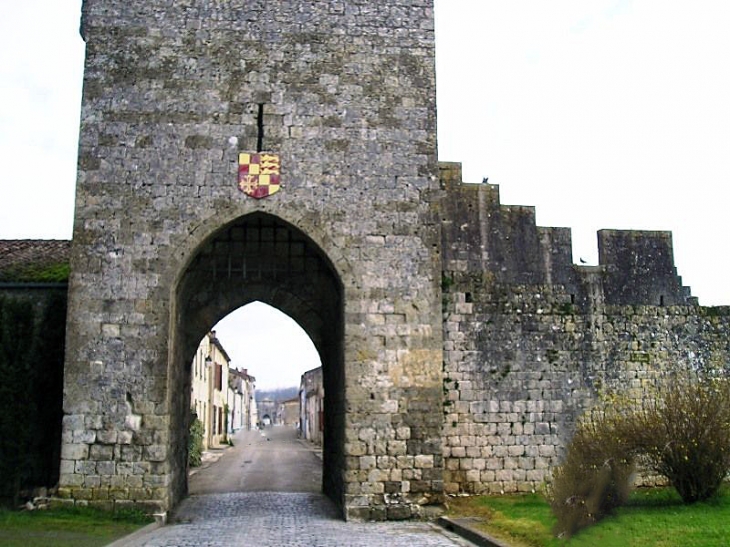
(259, 257)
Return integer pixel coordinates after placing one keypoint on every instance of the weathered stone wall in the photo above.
(530, 339)
(344, 92)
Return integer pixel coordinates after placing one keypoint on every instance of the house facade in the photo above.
(311, 406)
(288, 412)
(241, 401)
(209, 389)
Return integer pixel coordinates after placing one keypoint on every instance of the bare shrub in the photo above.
(680, 431)
(685, 434)
(595, 477)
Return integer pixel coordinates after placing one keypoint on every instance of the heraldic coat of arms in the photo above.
(259, 174)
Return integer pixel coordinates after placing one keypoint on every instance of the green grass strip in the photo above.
(653, 517)
(67, 526)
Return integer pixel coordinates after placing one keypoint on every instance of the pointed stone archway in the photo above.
(259, 257)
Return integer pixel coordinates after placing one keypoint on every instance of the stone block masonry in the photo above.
(531, 339)
(164, 246)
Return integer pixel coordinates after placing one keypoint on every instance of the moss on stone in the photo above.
(57, 272)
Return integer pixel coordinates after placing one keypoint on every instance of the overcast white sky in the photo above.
(601, 113)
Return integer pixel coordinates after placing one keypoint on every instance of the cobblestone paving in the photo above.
(270, 519)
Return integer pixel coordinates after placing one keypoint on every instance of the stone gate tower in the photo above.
(273, 150)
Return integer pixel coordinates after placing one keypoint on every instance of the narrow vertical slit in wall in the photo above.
(572, 299)
(245, 249)
(260, 126)
(661, 300)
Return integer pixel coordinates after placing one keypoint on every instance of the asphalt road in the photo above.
(273, 460)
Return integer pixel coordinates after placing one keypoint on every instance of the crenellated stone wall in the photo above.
(530, 339)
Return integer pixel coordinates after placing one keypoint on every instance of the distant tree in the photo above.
(279, 394)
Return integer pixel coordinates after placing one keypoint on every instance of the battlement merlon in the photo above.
(480, 234)
(639, 267)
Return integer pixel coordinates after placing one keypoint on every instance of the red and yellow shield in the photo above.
(259, 174)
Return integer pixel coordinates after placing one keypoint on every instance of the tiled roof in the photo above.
(34, 260)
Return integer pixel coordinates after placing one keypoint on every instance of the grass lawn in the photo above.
(66, 526)
(654, 517)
